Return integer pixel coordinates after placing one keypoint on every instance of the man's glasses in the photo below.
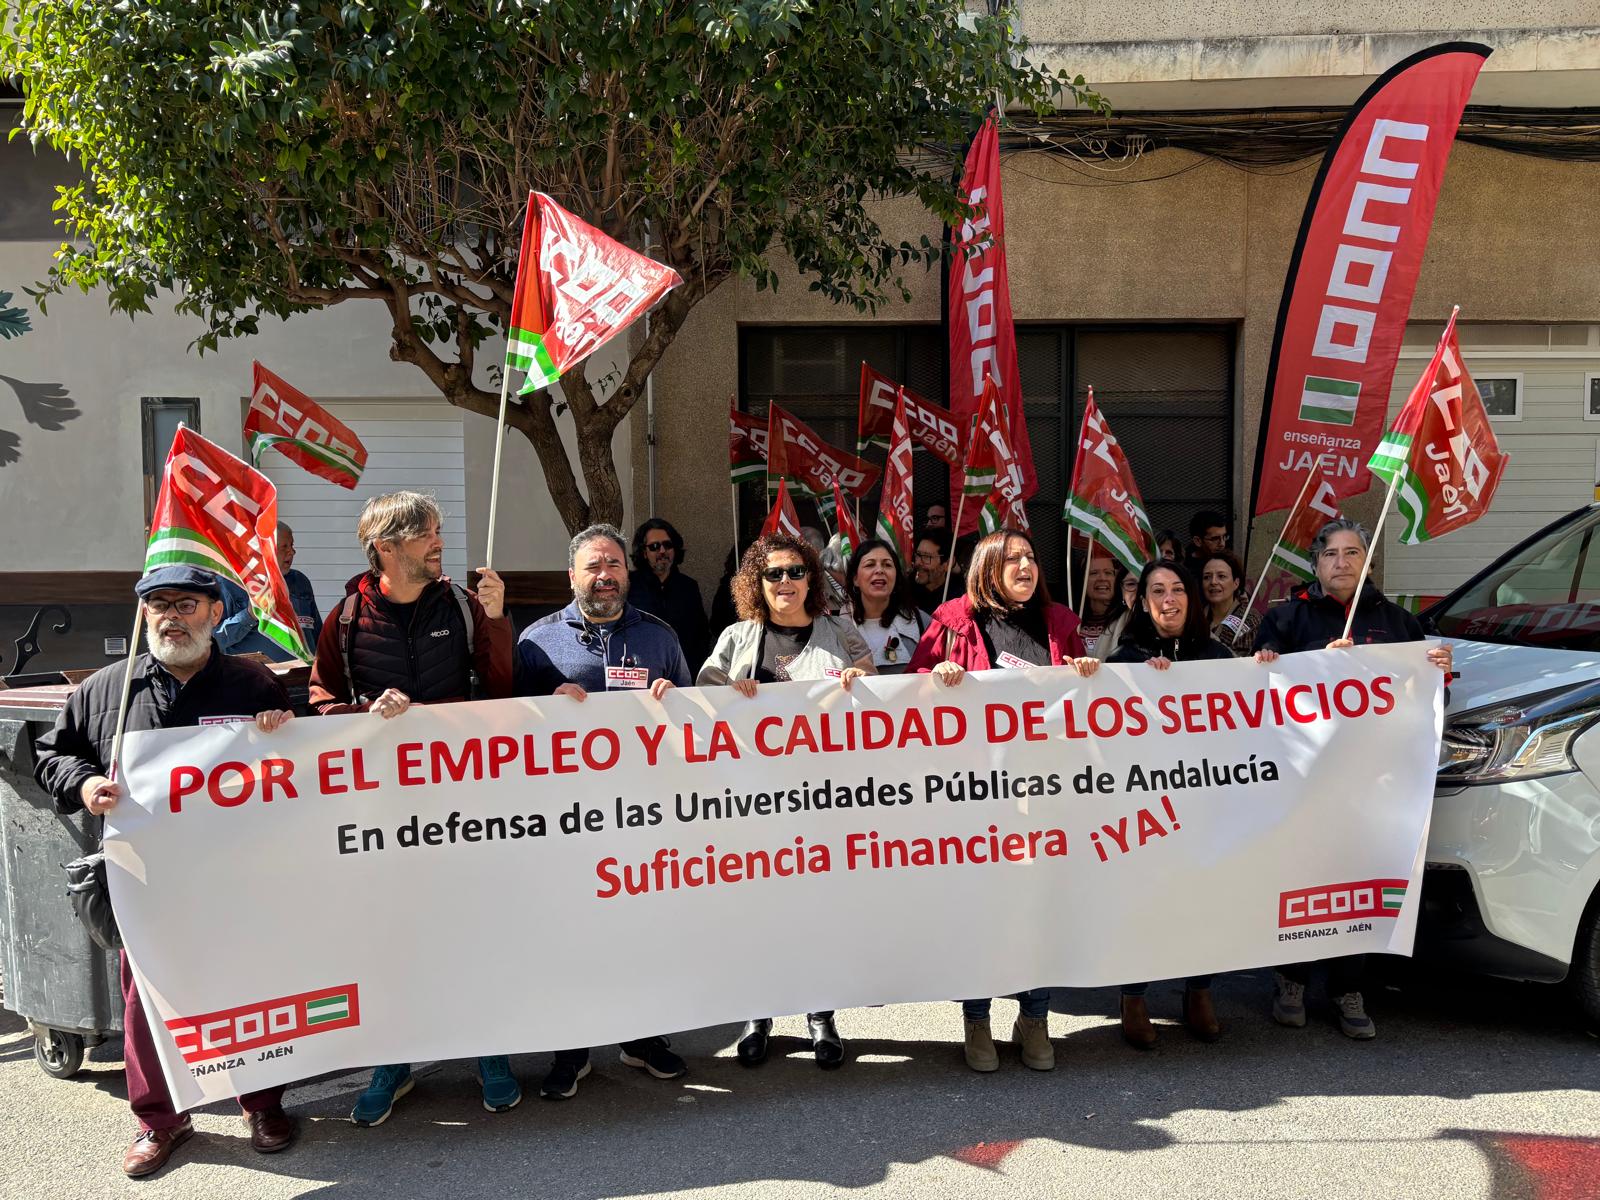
(657, 547)
(184, 607)
(774, 574)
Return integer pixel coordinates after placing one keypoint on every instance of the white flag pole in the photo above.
(127, 690)
(733, 488)
(1366, 567)
(499, 448)
(950, 563)
(1088, 564)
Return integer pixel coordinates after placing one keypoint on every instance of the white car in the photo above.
(1512, 885)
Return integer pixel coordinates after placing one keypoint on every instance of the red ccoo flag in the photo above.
(849, 532)
(782, 518)
(747, 447)
(302, 430)
(894, 503)
(1440, 457)
(576, 289)
(796, 453)
(1103, 502)
(983, 342)
(993, 469)
(932, 427)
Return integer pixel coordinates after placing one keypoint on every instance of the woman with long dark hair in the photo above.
(1006, 619)
(783, 634)
(1222, 581)
(880, 598)
(1168, 624)
(1102, 598)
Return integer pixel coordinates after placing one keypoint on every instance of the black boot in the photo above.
(752, 1048)
(825, 1040)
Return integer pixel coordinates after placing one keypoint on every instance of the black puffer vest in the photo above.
(431, 662)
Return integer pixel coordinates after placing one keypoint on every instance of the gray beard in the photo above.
(602, 610)
(188, 655)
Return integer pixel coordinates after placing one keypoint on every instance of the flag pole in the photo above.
(1088, 562)
(733, 489)
(1069, 555)
(1366, 567)
(127, 689)
(499, 447)
(955, 532)
(1288, 521)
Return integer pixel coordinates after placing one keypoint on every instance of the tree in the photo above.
(270, 160)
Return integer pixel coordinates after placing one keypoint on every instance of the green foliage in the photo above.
(271, 159)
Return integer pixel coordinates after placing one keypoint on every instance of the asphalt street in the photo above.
(1473, 1089)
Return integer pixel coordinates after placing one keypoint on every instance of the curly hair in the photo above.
(748, 599)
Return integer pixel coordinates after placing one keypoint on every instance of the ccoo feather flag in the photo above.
(576, 289)
(1440, 457)
(1103, 502)
(217, 513)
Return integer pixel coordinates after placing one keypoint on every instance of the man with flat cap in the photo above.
(183, 680)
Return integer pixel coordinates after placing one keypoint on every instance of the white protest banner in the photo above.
(520, 875)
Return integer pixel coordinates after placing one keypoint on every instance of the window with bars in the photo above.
(1167, 392)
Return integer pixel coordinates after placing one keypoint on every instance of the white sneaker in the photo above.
(1353, 1019)
(1289, 1002)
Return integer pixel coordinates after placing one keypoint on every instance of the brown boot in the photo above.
(152, 1148)
(1136, 1028)
(1200, 1015)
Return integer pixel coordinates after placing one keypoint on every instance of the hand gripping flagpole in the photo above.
(499, 448)
(1288, 521)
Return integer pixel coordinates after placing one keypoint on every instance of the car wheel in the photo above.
(1586, 965)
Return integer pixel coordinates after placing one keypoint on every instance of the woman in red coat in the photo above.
(1006, 619)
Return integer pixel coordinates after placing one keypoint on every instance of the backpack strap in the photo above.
(460, 594)
(347, 617)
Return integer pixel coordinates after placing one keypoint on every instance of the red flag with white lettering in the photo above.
(747, 446)
(983, 342)
(1353, 272)
(782, 518)
(1103, 502)
(283, 417)
(894, 503)
(992, 468)
(849, 531)
(796, 453)
(931, 427)
(1440, 454)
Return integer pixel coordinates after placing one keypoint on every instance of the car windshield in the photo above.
(1545, 594)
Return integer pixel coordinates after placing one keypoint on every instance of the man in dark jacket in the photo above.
(403, 635)
(1314, 619)
(238, 633)
(601, 643)
(183, 680)
(659, 587)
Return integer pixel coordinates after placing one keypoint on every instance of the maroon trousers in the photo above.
(147, 1088)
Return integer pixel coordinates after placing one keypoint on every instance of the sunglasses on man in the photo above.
(657, 547)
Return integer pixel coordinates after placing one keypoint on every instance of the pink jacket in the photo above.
(953, 624)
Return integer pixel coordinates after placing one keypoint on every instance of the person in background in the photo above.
(600, 643)
(1005, 619)
(935, 517)
(1168, 546)
(403, 635)
(881, 601)
(1102, 599)
(1313, 618)
(182, 680)
(1168, 625)
(238, 633)
(930, 564)
(1106, 644)
(784, 634)
(658, 586)
(723, 613)
(1222, 581)
(835, 598)
(1208, 533)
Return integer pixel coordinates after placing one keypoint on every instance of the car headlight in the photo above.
(1528, 739)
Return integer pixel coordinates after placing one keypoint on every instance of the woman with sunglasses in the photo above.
(1006, 619)
(1169, 624)
(881, 600)
(784, 634)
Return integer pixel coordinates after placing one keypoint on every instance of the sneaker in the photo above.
(501, 1092)
(377, 1102)
(979, 1046)
(1032, 1036)
(1353, 1019)
(1289, 1002)
(652, 1055)
(562, 1081)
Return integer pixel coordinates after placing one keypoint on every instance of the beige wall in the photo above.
(1149, 20)
(1511, 242)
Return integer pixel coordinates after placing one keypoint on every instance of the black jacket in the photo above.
(1311, 618)
(79, 746)
(678, 603)
(1194, 650)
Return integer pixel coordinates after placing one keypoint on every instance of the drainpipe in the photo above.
(649, 411)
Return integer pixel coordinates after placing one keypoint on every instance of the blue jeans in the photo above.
(1035, 1002)
(1192, 984)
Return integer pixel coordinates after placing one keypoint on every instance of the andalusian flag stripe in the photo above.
(748, 472)
(1329, 401)
(526, 352)
(1095, 523)
(260, 443)
(1391, 462)
(176, 546)
(1294, 560)
(329, 1008)
(1393, 897)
